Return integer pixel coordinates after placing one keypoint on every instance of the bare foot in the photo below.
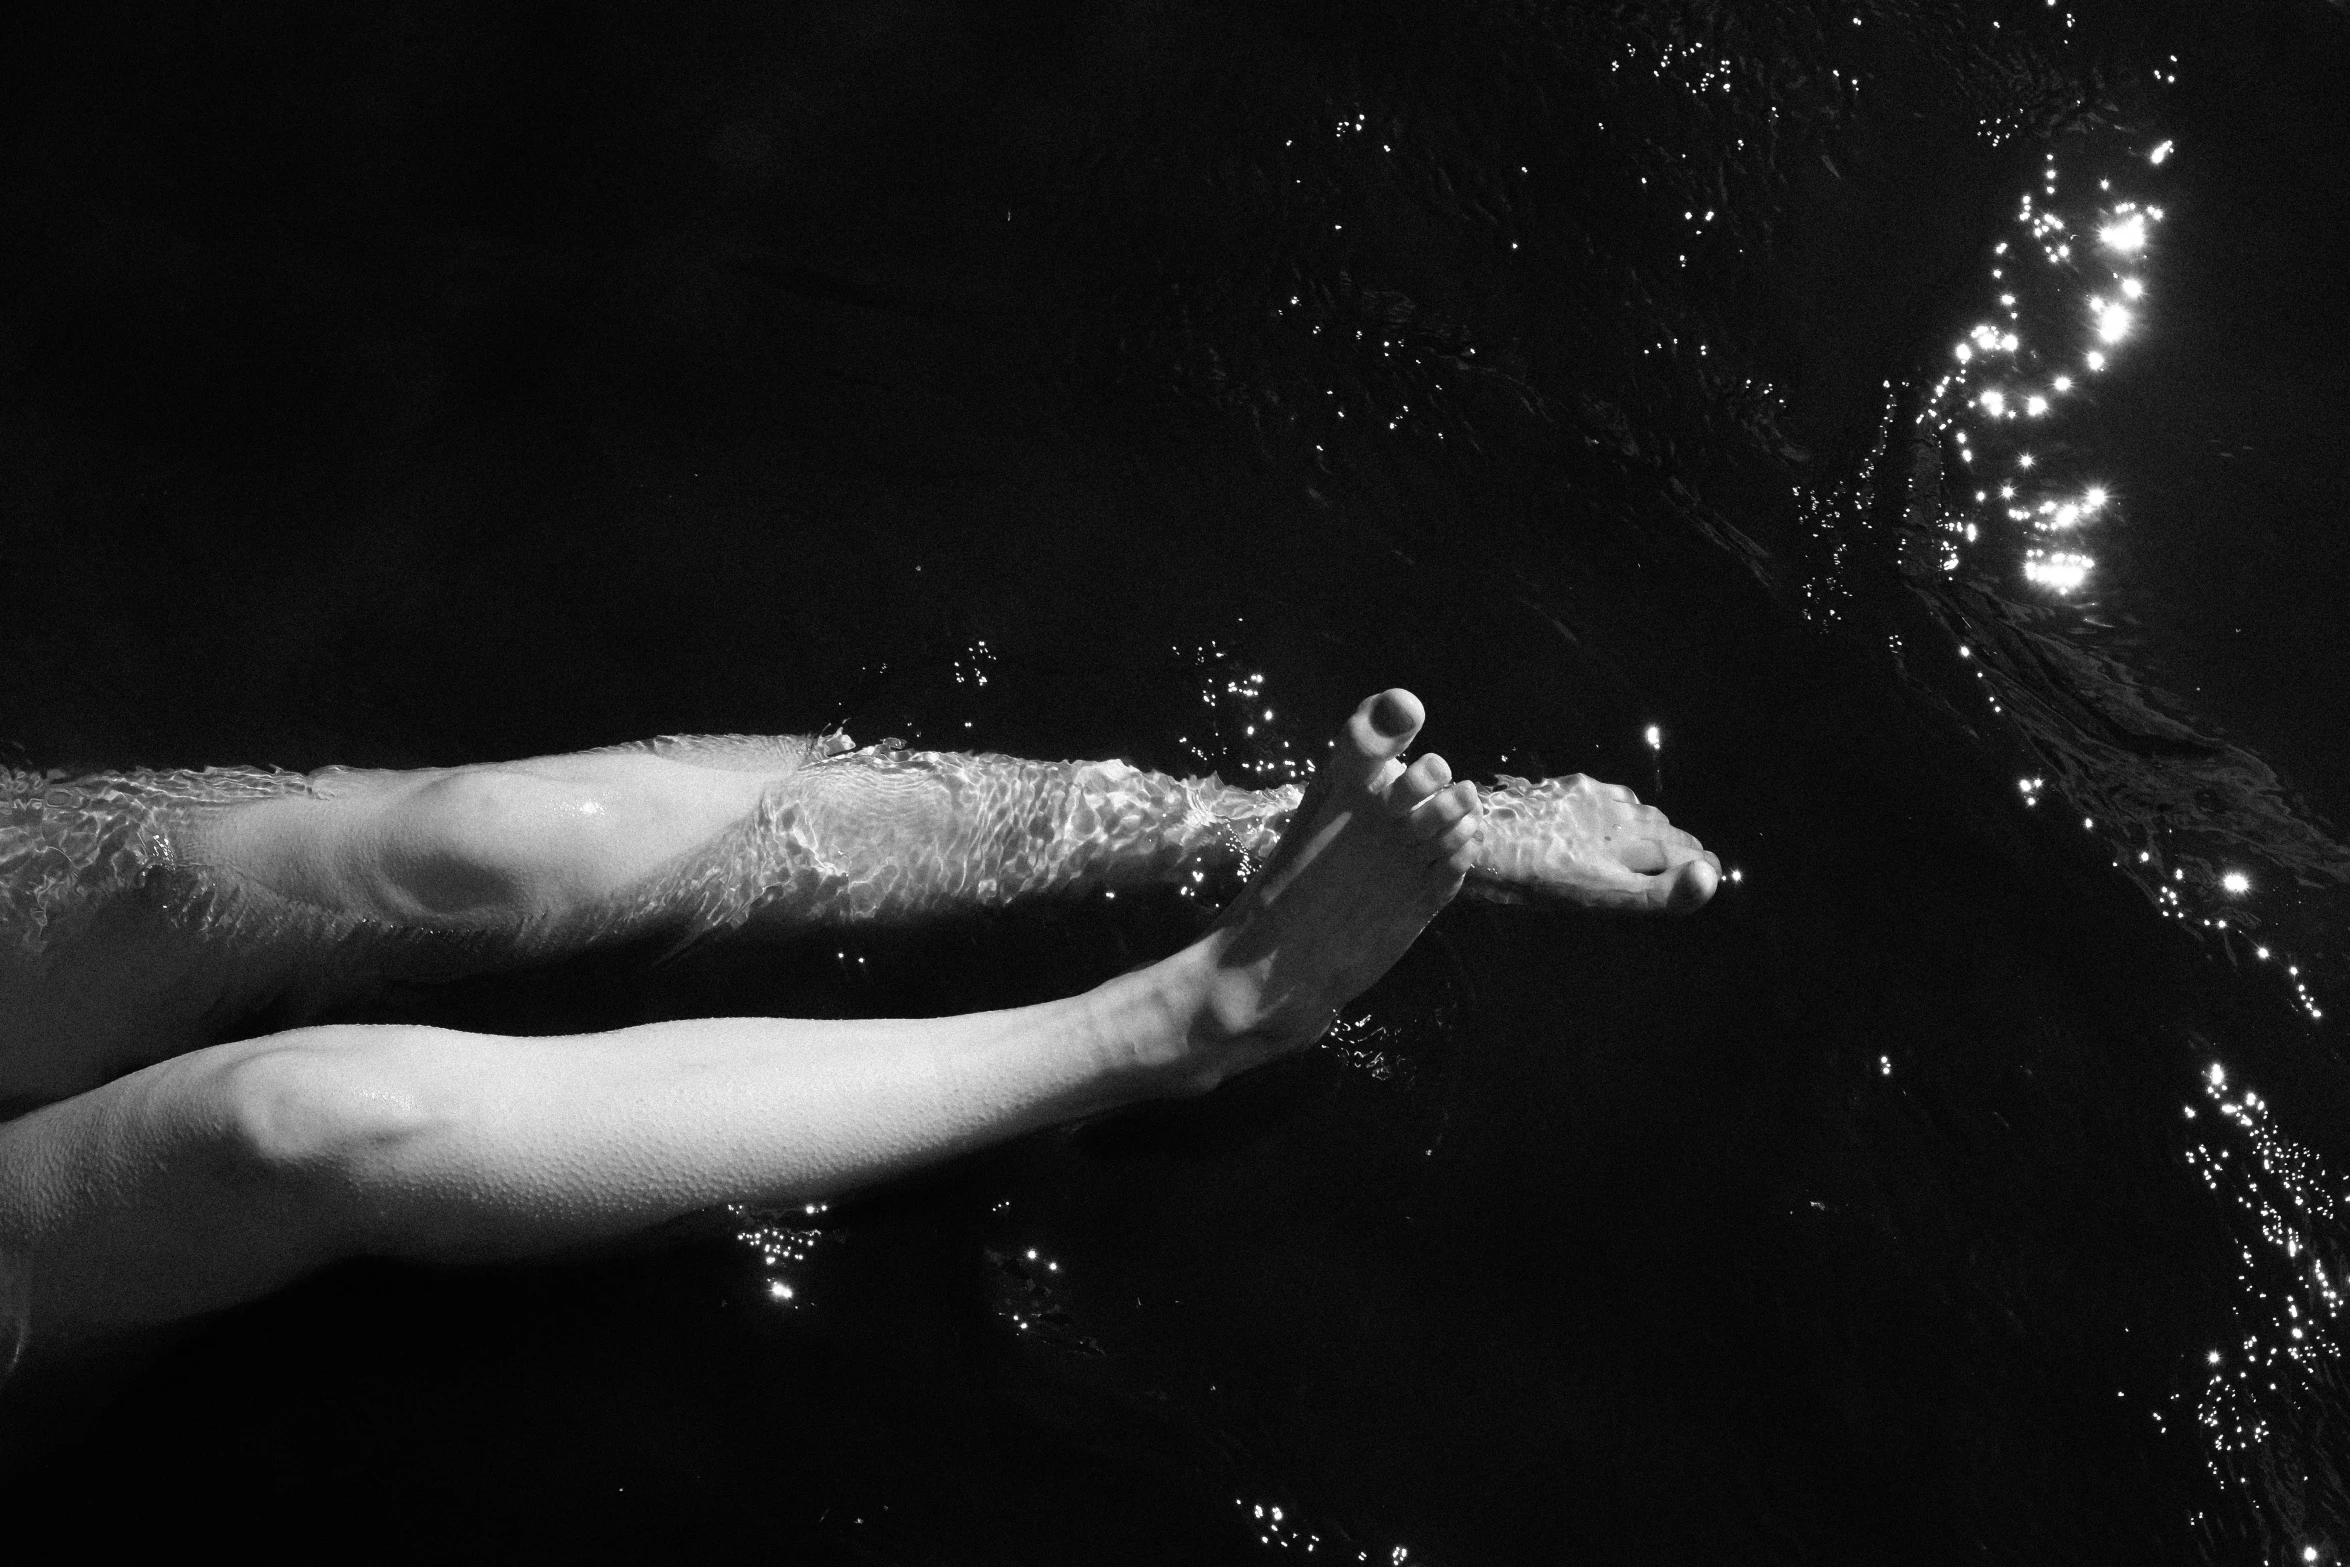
(1375, 850)
(1592, 843)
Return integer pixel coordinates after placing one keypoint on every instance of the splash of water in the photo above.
(69, 846)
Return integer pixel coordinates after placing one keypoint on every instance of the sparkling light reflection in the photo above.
(1994, 354)
(783, 1240)
(2255, 1405)
(2128, 235)
(2071, 294)
(2062, 572)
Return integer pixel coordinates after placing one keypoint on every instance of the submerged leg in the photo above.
(141, 915)
(224, 1173)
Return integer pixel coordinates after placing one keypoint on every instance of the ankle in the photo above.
(1172, 1039)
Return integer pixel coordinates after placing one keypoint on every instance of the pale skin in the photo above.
(218, 1173)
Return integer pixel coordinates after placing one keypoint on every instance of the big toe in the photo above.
(1694, 885)
(1379, 732)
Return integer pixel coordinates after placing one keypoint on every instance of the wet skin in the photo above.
(224, 1172)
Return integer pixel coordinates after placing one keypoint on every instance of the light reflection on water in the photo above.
(2076, 292)
(1031, 1298)
(787, 1241)
(2270, 1395)
(1277, 1528)
(2008, 501)
(1240, 729)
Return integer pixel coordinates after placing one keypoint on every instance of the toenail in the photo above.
(1387, 716)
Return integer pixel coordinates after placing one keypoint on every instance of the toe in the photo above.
(1423, 778)
(1692, 885)
(1462, 834)
(1443, 808)
(1649, 842)
(1459, 862)
(1380, 730)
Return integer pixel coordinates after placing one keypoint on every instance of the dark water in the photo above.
(435, 384)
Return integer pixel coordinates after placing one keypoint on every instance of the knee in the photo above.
(480, 846)
(307, 1111)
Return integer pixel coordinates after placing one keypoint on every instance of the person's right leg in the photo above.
(224, 1173)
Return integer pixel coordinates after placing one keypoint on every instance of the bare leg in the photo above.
(224, 1173)
(142, 916)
